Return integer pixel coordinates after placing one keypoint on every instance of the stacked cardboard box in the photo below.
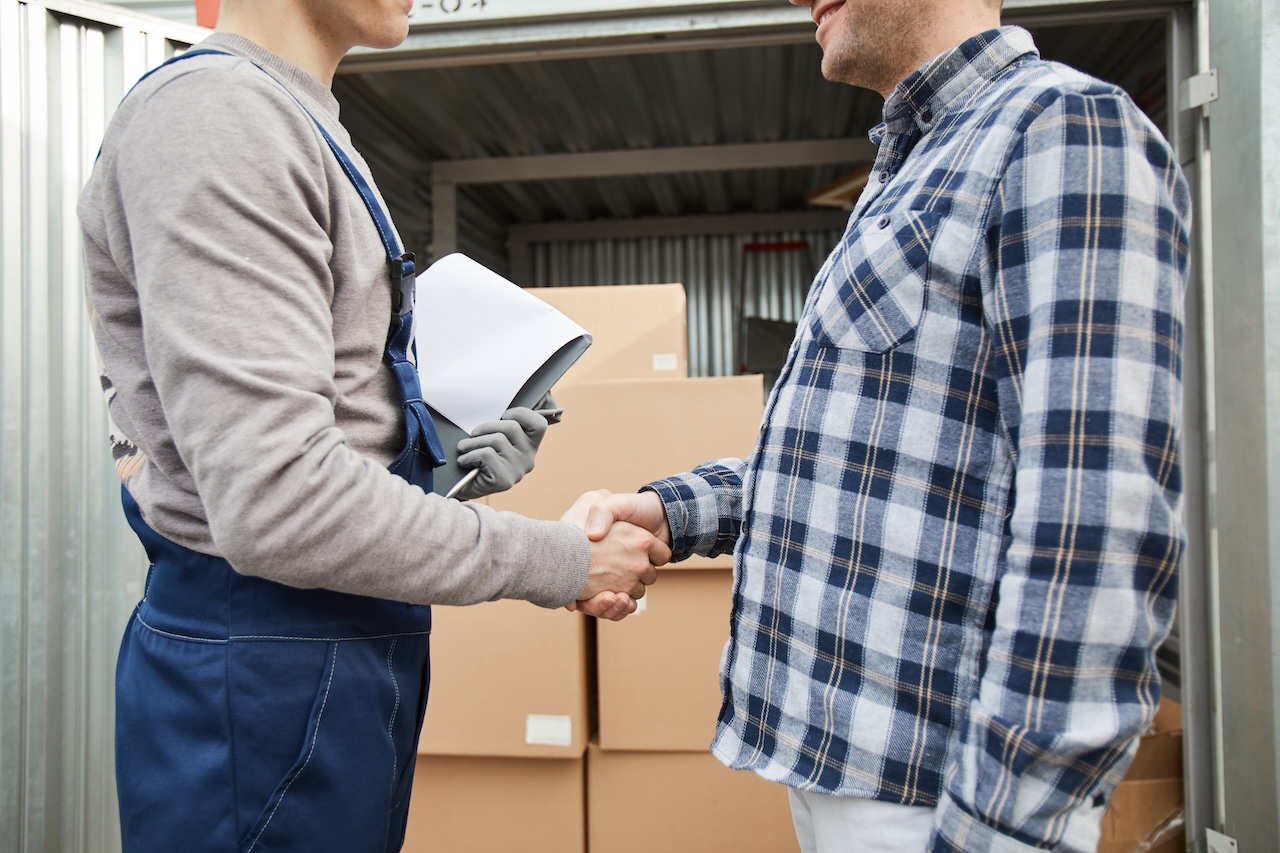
(1147, 806)
(620, 434)
(478, 804)
(513, 701)
(639, 331)
(508, 679)
(659, 698)
(658, 670)
(682, 802)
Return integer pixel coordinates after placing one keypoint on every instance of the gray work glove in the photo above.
(503, 450)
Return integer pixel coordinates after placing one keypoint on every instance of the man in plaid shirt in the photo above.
(956, 541)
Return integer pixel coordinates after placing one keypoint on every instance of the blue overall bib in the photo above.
(253, 716)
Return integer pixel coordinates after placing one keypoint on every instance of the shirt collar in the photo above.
(928, 91)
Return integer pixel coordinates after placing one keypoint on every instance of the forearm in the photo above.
(365, 531)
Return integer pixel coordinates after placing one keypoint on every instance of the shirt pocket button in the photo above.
(883, 222)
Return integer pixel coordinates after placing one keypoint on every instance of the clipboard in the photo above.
(447, 475)
(480, 334)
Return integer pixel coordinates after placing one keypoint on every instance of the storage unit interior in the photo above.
(697, 227)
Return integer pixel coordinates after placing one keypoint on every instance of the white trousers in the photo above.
(830, 824)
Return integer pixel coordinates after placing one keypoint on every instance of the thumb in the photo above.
(599, 519)
(659, 553)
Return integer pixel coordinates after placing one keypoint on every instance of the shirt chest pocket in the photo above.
(872, 292)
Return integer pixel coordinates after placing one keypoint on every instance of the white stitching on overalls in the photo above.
(235, 637)
(326, 639)
(174, 636)
(315, 737)
(395, 758)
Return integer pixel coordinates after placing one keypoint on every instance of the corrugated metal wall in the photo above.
(70, 570)
(711, 268)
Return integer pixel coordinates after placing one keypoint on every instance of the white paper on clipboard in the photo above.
(480, 338)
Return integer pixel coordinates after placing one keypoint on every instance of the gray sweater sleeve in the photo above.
(215, 205)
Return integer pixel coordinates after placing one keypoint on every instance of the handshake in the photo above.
(629, 540)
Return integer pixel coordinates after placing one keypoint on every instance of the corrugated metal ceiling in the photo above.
(404, 121)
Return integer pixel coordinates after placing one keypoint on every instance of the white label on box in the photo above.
(548, 730)
(665, 361)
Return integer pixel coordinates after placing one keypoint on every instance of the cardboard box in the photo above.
(639, 331)
(1168, 716)
(508, 678)
(1138, 807)
(658, 669)
(497, 805)
(622, 434)
(682, 802)
(1151, 792)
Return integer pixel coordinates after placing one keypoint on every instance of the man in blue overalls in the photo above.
(252, 306)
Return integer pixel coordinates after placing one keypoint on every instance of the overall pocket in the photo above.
(279, 699)
(873, 291)
(328, 741)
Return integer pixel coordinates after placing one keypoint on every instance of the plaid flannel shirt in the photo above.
(956, 540)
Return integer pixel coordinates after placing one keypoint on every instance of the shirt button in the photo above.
(884, 176)
(884, 222)
(926, 116)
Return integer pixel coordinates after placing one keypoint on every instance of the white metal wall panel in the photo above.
(182, 11)
(70, 570)
(710, 268)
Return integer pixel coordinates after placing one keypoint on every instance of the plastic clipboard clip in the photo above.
(403, 276)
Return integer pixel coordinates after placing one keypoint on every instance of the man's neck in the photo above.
(946, 32)
(280, 30)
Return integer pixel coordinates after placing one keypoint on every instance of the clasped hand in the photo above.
(629, 540)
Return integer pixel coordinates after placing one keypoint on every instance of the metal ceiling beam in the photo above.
(680, 226)
(448, 175)
(653, 161)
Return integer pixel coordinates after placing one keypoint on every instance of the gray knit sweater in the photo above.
(239, 298)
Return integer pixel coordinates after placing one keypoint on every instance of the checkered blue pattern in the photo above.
(956, 541)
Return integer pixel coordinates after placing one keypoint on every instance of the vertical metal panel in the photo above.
(70, 571)
(1193, 637)
(710, 268)
(1244, 194)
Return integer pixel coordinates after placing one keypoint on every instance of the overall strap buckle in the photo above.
(403, 276)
